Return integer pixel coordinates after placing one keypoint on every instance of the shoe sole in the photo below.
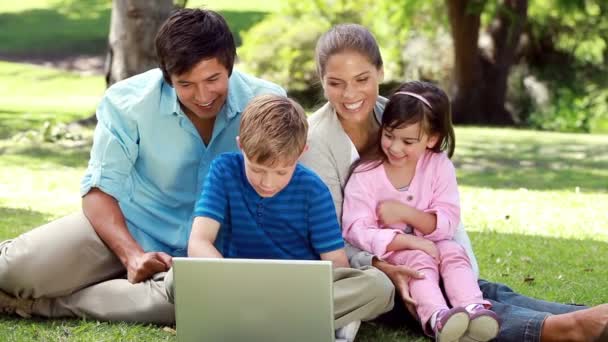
(483, 328)
(454, 328)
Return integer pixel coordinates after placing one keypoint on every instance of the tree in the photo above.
(133, 26)
(480, 76)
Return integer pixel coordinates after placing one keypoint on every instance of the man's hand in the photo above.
(145, 265)
(391, 212)
(400, 276)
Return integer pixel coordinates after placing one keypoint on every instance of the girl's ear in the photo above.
(433, 140)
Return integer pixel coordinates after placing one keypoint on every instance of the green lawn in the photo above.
(533, 202)
(34, 28)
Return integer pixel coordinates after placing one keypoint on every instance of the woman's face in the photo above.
(351, 84)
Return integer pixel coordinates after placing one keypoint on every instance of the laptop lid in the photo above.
(253, 300)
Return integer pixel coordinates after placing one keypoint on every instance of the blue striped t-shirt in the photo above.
(299, 222)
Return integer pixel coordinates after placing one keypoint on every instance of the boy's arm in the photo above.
(338, 258)
(202, 237)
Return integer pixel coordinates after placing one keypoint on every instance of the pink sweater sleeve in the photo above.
(445, 201)
(359, 221)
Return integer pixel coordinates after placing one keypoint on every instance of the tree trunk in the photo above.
(133, 26)
(480, 77)
(505, 31)
(467, 73)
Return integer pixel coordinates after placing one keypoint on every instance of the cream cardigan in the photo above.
(330, 156)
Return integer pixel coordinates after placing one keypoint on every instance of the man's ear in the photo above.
(238, 142)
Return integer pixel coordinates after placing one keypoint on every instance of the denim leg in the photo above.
(501, 293)
(521, 317)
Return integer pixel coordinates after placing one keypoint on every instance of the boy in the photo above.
(263, 204)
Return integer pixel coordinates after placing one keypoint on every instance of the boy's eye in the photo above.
(282, 173)
(362, 80)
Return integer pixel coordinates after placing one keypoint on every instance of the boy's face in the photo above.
(268, 181)
(202, 90)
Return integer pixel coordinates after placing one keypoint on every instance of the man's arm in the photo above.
(107, 219)
(338, 258)
(203, 235)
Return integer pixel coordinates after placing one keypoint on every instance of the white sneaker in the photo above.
(348, 332)
(12, 305)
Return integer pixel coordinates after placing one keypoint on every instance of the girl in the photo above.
(401, 204)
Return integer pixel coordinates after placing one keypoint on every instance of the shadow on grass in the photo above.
(560, 270)
(241, 21)
(14, 221)
(58, 31)
(32, 157)
(78, 28)
(532, 164)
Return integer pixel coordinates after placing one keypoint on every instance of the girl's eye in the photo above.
(362, 80)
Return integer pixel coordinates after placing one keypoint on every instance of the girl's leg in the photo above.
(459, 280)
(446, 324)
(426, 291)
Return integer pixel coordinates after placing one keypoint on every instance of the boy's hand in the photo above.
(391, 212)
(145, 265)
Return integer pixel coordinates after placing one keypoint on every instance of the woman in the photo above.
(350, 69)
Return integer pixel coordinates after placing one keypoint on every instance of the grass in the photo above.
(32, 95)
(544, 238)
(533, 202)
(33, 28)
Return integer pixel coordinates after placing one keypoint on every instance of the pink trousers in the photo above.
(455, 270)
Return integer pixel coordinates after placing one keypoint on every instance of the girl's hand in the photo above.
(391, 212)
(426, 246)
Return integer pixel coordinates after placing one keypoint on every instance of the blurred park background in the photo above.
(528, 80)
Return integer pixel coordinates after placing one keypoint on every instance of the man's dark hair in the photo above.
(191, 35)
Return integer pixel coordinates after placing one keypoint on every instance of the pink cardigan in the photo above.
(432, 189)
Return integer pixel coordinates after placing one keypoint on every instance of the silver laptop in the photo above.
(253, 300)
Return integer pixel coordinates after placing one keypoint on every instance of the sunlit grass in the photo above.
(545, 240)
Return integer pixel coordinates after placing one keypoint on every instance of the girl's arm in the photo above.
(440, 220)
(391, 212)
(407, 241)
(359, 222)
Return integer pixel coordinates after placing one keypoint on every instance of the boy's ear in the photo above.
(303, 151)
(238, 142)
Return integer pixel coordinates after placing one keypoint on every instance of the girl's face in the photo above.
(404, 146)
(351, 84)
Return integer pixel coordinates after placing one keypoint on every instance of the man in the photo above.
(156, 136)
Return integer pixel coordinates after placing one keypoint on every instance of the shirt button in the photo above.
(410, 197)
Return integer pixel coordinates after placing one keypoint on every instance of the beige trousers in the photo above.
(70, 272)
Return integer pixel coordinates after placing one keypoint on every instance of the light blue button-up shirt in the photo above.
(149, 156)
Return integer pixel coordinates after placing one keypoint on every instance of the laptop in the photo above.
(253, 300)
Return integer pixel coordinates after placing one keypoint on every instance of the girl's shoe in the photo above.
(483, 326)
(451, 324)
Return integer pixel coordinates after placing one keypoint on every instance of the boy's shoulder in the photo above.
(228, 162)
(308, 180)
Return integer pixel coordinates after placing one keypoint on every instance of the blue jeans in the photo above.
(521, 317)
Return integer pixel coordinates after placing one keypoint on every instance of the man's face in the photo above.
(203, 89)
(268, 181)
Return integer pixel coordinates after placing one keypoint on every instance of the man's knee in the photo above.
(379, 289)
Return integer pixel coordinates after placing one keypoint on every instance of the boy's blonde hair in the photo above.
(273, 130)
